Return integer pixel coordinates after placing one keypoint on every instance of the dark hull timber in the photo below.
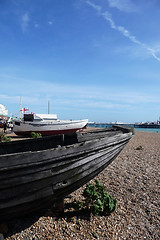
(36, 173)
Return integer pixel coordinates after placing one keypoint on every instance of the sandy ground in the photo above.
(133, 179)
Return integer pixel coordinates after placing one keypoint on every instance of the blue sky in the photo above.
(95, 59)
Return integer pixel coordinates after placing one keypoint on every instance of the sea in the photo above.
(105, 125)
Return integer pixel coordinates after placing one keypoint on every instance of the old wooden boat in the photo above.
(35, 173)
(46, 124)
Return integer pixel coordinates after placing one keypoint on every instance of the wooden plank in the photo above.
(24, 159)
(70, 177)
(35, 183)
(37, 204)
(19, 184)
(38, 174)
(49, 157)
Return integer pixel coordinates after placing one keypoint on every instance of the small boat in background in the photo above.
(46, 124)
(35, 173)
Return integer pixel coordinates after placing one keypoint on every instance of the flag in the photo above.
(23, 110)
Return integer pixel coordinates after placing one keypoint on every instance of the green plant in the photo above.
(4, 138)
(36, 135)
(77, 204)
(97, 200)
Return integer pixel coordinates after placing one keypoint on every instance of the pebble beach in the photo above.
(132, 178)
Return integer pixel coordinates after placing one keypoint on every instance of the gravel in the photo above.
(133, 179)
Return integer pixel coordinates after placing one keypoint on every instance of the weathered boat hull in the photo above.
(44, 172)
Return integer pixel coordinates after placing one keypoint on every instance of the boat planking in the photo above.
(36, 173)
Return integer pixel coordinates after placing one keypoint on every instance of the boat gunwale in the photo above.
(60, 148)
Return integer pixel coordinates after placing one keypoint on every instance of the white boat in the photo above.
(46, 124)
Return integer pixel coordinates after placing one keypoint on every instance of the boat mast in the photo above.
(20, 107)
(48, 107)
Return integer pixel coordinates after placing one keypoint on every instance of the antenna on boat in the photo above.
(48, 107)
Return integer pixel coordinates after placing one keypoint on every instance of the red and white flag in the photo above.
(23, 110)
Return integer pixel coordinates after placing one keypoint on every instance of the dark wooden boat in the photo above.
(35, 173)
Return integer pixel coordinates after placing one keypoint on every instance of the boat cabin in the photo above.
(39, 117)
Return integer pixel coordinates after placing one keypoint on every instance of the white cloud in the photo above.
(36, 25)
(123, 5)
(50, 22)
(107, 16)
(98, 8)
(69, 98)
(25, 22)
(79, 95)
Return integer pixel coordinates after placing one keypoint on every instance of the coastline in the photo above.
(132, 178)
